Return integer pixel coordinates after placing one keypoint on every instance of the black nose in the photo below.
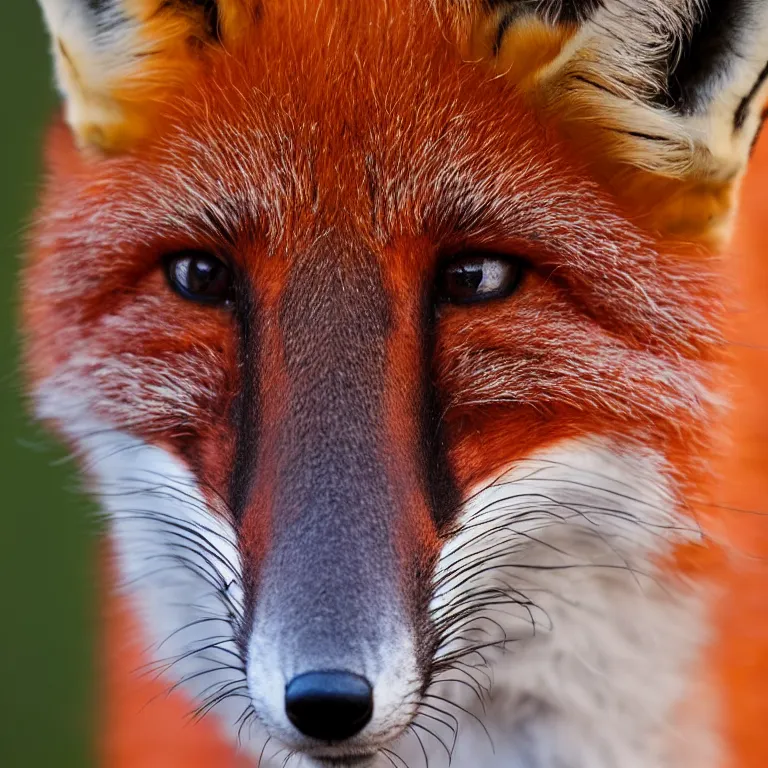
(330, 706)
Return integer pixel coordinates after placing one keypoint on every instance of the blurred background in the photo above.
(46, 530)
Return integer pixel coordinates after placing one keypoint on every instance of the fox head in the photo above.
(382, 327)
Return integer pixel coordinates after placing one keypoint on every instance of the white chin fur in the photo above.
(596, 665)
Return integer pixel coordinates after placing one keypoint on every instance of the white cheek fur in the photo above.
(178, 562)
(177, 559)
(602, 646)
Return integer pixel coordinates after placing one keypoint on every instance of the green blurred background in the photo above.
(46, 530)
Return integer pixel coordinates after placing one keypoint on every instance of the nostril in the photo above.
(330, 705)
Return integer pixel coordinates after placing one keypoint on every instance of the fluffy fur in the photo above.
(537, 463)
(597, 655)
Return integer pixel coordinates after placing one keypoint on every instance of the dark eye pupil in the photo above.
(203, 275)
(199, 277)
(463, 280)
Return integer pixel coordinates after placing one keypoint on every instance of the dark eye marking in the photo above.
(199, 276)
(479, 276)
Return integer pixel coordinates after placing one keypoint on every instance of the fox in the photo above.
(394, 338)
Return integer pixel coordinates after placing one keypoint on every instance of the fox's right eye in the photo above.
(198, 276)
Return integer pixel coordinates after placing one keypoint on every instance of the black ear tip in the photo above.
(559, 11)
(98, 6)
(210, 11)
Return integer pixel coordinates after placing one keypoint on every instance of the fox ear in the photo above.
(664, 98)
(114, 57)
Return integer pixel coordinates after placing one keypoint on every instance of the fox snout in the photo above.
(338, 522)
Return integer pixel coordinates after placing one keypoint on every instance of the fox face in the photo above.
(390, 337)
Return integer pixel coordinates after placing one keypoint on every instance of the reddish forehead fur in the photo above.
(362, 119)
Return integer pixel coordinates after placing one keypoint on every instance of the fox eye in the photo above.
(479, 277)
(198, 276)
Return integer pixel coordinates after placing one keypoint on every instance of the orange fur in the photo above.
(144, 727)
(347, 132)
(741, 653)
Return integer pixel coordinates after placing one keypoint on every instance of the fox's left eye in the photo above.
(198, 276)
(479, 277)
